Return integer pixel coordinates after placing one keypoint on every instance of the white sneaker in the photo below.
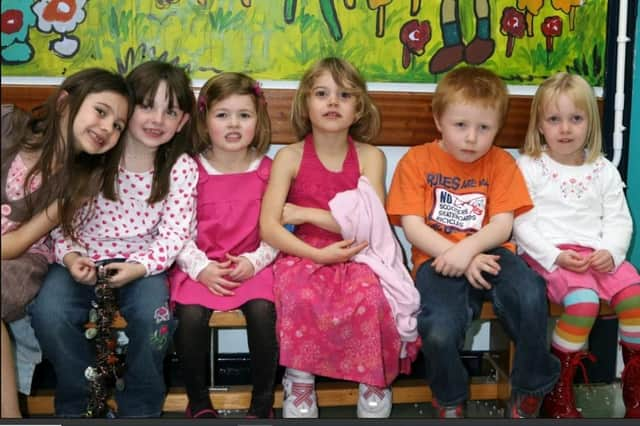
(299, 397)
(374, 402)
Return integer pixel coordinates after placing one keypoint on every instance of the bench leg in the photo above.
(212, 357)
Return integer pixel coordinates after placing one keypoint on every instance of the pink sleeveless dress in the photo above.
(332, 320)
(228, 213)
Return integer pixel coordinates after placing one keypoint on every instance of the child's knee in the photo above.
(437, 334)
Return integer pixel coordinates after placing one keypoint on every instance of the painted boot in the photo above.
(560, 403)
(631, 381)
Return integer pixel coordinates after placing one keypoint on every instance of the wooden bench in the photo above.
(332, 394)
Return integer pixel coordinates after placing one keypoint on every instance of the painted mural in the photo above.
(389, 40)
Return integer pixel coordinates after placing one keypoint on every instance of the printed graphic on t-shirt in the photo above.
(462, 212)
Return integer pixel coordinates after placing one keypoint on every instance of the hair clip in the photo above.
(257, 89)
(202, 102)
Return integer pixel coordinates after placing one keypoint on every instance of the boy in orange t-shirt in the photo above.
(456, 199)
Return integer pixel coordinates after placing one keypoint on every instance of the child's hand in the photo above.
(122, 273)
(339, 252)
(242, 269)
(482, 263)
(453, 262)
(83, 270)
(212, 277)
(601, 261)
(293, 214)
(572, 260)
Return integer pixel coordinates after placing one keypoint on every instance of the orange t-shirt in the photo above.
(455, 198)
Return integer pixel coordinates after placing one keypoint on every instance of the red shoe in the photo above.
(631, 381)
(524, 406)
(206, 413)
(450, 412)
(560, 403)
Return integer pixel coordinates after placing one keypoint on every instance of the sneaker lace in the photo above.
(576, 361)
(373, 390)
(303, 393)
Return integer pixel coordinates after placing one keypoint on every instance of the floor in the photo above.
(594, 401)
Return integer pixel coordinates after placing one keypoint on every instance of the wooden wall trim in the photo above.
(406, 117)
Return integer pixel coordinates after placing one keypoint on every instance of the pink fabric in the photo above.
(562, 281)
(228, 213)
(333, 320)
(16, 176)
(362, 217)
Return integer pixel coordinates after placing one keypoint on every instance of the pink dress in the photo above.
(332, 320)
(228, 214)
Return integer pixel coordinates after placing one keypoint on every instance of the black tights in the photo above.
(192, 345)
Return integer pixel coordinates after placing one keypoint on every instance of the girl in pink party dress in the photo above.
(226, 266)
(332, 315)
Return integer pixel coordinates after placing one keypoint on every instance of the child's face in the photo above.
(153, 123)
(468, 130)
(332, 108)
(99, 122)
(231, 123)
(565, 129)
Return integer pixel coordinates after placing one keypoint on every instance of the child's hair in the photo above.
(80, 175)
(367, 124)
(220, 87)
(144, 81)
(581, 94)
(472, 85)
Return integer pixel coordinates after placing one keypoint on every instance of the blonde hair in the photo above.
(220, 87)
(367, 124)
(581, 94)
(471, 85)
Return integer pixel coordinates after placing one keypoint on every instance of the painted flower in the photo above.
(17, 18)
(61, 16)
(532, 6)
(566, 5)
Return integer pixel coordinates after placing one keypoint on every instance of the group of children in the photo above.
(176, 197)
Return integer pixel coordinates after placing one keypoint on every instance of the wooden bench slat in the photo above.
(330, 394)
(235, 319)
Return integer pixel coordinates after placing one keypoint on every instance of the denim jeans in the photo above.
(58, 315)
(449, 304)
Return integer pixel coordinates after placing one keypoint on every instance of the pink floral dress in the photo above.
(333, 320)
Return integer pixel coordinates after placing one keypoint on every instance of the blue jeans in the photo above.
(449, 304)
(58, 315)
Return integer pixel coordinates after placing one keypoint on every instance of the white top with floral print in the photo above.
(582, 205)
(16, 176)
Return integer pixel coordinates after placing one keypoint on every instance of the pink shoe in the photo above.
(206, 413)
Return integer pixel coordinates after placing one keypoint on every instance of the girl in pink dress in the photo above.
(226, 265)
(333, 318)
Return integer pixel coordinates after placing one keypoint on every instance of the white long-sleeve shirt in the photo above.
(582, 205)
(192, 260)
(133, 229)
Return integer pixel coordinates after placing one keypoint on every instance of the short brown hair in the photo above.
(471, 85)
(367, 125)
(222, 86)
